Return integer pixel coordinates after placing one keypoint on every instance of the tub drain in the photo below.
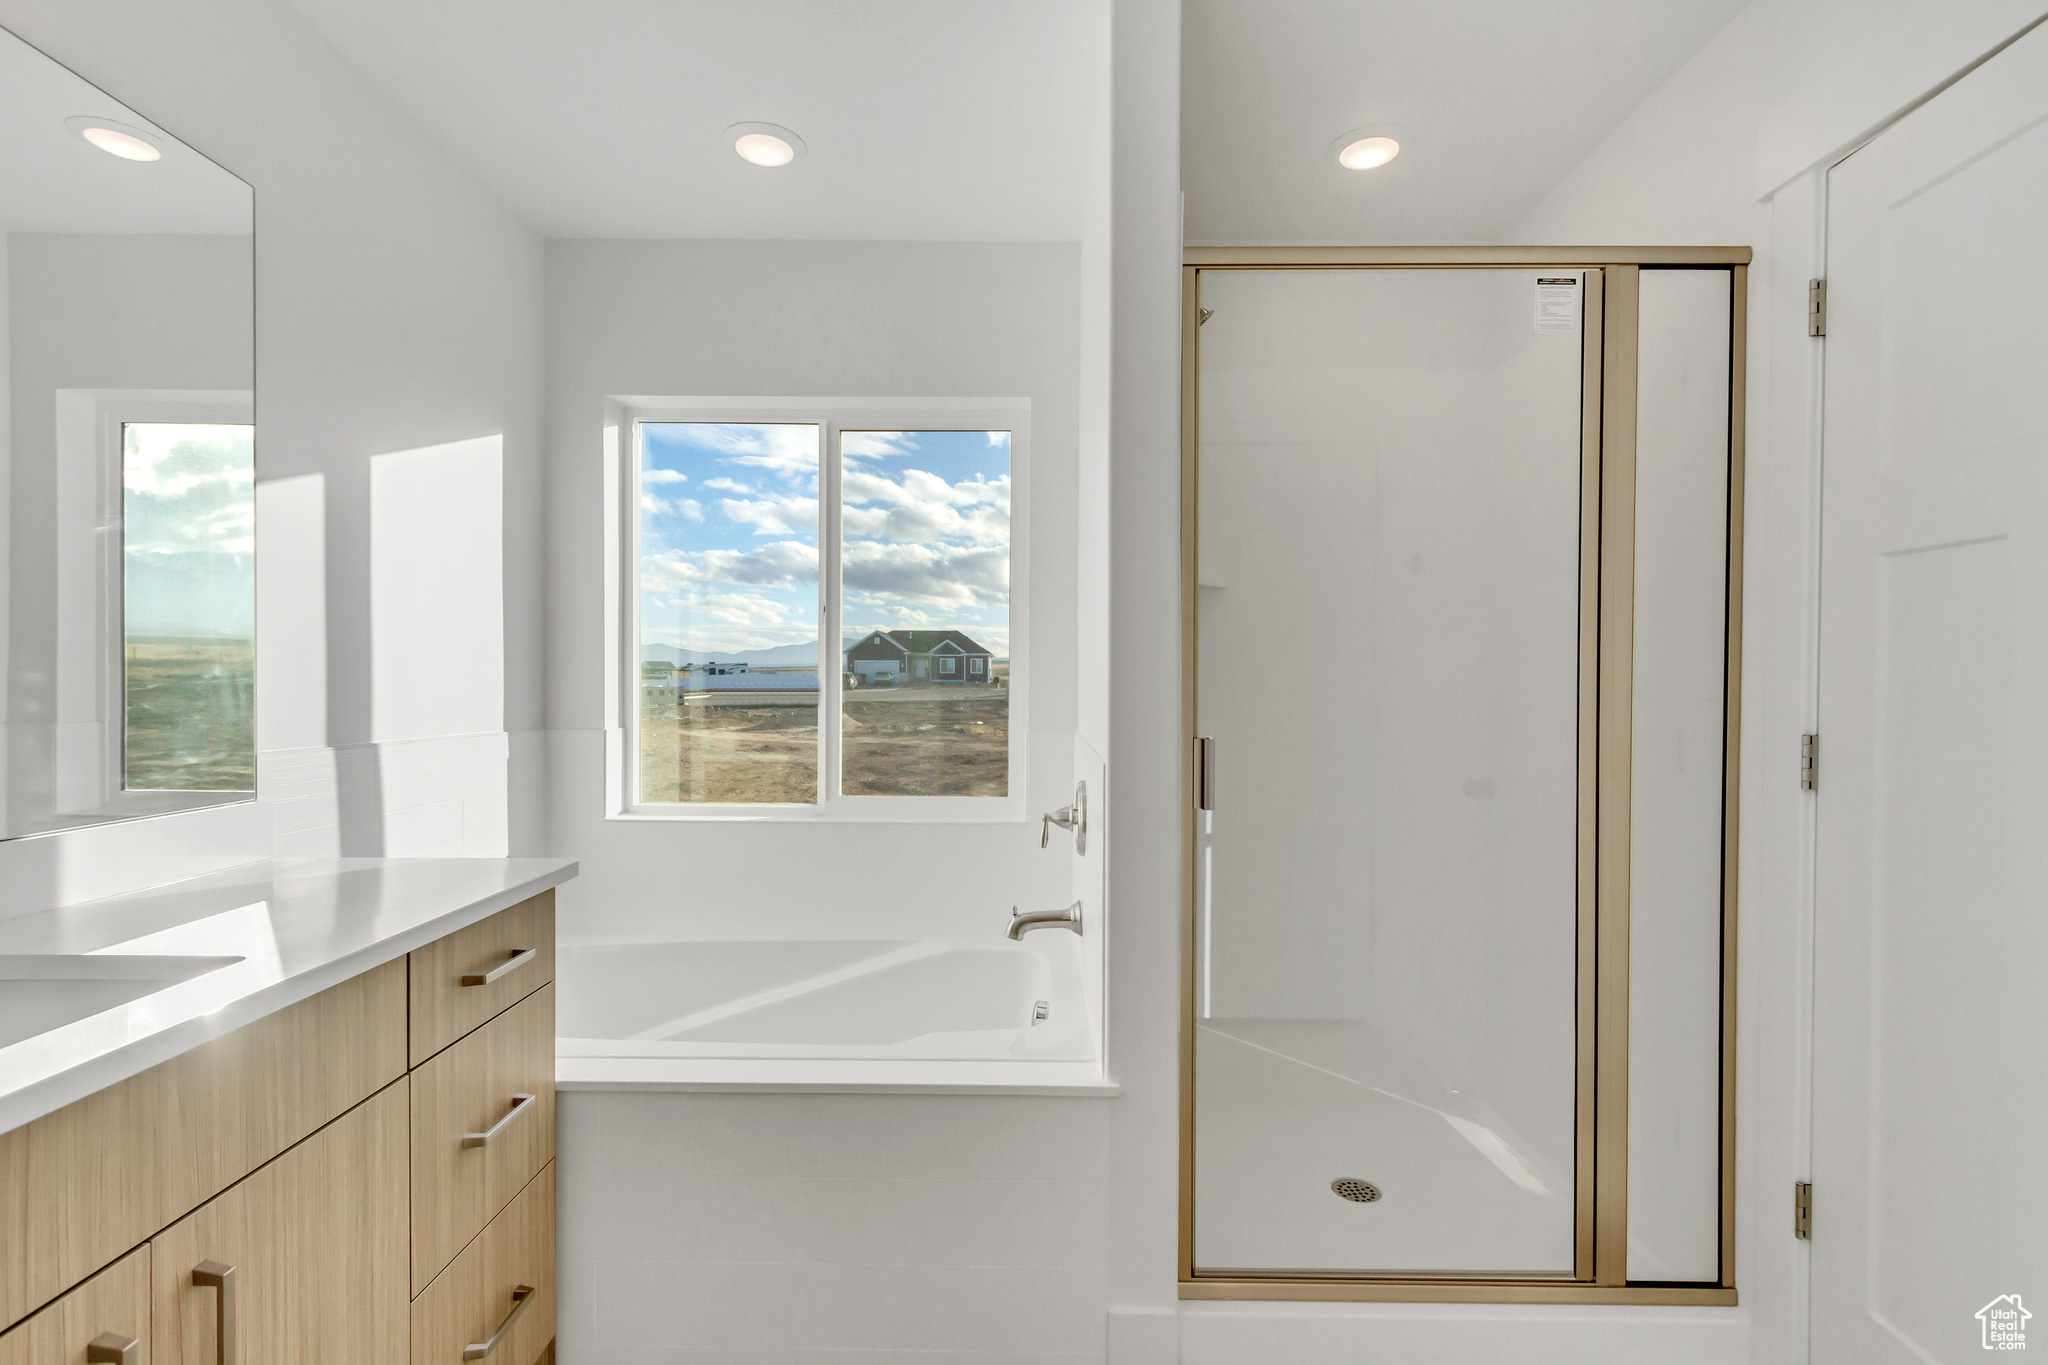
(1357, 1191)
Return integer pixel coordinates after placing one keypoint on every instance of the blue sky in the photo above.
(188, 513)
(729, 533)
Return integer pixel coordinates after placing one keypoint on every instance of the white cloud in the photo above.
(726, 485)
(677, 507)
(789, 449)
(170, 459)
(774, 516)
(783, 563)
(998, 438)
(741, 610)
(648, 476)
(868, 445)
(942, 576)
(924, 508)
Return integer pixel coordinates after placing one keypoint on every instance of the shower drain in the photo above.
(1357, 1191)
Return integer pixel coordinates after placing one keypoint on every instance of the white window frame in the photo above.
(624, 418)
(90, 427)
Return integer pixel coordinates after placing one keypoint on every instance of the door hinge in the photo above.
(1207, 313)
(1205, 774)
(1816, 308)
(1809, 763)
(1802, 1210)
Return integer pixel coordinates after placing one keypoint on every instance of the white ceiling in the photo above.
(925, 119)
(53, 180)
(1499, 98)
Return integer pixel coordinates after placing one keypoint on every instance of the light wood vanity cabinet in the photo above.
(471, 976)
(298, 1185)
(483, 1125)
(477, 1296)
(83, 1185)
(314, 1245)
(104, 1319)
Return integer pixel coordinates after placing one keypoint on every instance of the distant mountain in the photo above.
(804, 655)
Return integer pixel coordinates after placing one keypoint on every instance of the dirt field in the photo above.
(926, 741)
(191, 715)
(901, 741)
(729, 752)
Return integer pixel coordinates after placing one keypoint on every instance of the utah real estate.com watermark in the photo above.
(2005, 1323)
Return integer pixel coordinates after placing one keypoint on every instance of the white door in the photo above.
(1930, 1162)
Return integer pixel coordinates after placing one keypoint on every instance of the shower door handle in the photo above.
(1205, 773)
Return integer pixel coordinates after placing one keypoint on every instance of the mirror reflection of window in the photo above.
(188, 582)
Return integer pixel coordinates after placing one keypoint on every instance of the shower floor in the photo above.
(1285, 1106)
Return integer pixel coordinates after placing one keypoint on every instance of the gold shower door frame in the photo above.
(1606, 700)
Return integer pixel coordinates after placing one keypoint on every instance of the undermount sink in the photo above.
(44, 991)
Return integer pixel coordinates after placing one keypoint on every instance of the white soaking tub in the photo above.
(862, 1014)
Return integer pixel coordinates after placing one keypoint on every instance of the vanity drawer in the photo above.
(107, 1311)
(475, 1142)
(307, 1255)
(469, 977)
(470, 1302)
(83, 1185)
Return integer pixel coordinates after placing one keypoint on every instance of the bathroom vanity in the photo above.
(284, 1113)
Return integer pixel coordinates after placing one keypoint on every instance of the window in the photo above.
(188, 586)
(759, 534)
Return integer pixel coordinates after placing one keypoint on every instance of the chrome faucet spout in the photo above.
(1023, 922)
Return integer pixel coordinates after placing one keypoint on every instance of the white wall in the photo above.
(705, 1229)
(398, 307)
(697, 1227)
(1145, 727)
(802, 319)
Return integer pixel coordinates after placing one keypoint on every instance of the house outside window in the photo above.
(758, 533)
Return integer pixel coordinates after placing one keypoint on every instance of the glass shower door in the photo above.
(1389, 659)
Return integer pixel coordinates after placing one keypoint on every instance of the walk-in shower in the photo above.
(1461, 609)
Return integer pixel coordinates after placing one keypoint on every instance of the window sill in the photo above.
(935, 810)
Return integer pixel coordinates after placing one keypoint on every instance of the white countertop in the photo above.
(298, 928)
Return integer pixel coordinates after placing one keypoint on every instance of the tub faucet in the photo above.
(1023, 922)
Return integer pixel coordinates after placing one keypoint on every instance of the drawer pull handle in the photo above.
(113, 1348)
(477, 1350)
(520, 1104)
(520, 957)
(214, 1275)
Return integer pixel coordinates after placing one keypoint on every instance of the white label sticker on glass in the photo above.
(1557, 303)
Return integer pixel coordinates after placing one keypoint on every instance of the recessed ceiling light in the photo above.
(116, 139)
(1367, 153)
(1370, 147)
(765, 144)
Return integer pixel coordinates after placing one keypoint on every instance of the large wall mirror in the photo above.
(127, 462)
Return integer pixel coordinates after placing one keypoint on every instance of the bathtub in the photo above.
(858, 1014)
